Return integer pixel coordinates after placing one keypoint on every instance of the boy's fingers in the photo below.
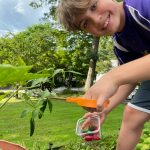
(99, 107)
(88, 118)
(87, 115)
(102, 117)
(101, 104)
(96, 113)
(86, 123)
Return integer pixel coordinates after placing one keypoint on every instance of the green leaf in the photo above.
(25, 96)
(11, 74)
(44, 104)
(24, 113)
(58, 71)
(40, 114)
(49, 71)
(39, 103)
(38, 81)
(35, 113)
(32, 126)
(50, 105)
(45, 94)
(74, 72)
(20, 61)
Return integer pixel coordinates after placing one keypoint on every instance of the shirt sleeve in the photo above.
(140, 12)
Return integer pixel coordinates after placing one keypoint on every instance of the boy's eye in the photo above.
(93, 6)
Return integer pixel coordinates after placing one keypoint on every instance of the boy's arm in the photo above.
(121, 95)
(132, 72)
(129, 73)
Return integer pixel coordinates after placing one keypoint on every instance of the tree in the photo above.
(51, 15)
(105, 55)
(92, 64)
(45, 47)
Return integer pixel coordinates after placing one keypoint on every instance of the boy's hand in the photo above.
(89, 114)
(102, 90)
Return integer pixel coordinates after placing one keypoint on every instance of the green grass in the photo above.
(57, 127)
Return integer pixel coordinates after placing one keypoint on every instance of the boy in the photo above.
(129, 23)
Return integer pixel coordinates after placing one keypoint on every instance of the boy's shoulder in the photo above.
(142, 6)
(137, 3)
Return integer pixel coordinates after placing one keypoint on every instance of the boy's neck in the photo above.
(122, 16)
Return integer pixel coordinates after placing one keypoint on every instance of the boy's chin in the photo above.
(105, 34)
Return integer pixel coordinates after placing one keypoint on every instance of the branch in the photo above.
(12, 95)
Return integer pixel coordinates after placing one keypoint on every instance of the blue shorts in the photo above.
(141, 100)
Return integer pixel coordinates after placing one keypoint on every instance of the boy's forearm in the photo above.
(120, 96)
(132, 72)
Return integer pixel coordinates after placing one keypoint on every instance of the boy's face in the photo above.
(104, 17)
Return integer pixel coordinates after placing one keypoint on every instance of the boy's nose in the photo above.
(96, 19)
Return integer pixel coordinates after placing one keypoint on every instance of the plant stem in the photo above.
(12, 95)
(58, 98)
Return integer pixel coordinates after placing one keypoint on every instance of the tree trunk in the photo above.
(17, 93)
(92, 65)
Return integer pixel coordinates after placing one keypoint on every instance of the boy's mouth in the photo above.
(106, 22)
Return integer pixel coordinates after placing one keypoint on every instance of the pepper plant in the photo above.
(35, 92)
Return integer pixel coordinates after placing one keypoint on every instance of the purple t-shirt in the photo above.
(134, 40)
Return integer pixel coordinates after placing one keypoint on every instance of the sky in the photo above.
(17, 15)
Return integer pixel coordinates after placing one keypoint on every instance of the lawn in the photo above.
(57, 127)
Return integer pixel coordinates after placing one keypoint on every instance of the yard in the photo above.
(57, 127)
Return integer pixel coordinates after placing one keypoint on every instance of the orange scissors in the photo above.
(91, 103)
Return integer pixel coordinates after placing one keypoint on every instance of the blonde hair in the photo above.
(69, 10)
